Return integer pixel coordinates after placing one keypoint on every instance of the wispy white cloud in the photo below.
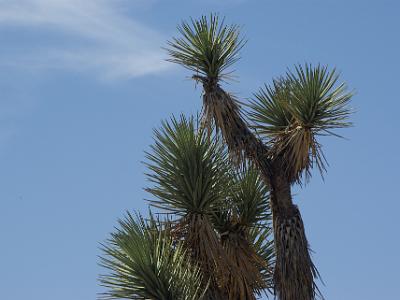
(96, 37)
(91, 35)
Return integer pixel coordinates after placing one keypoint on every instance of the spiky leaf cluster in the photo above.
(260, 237)
(207, 46)
(146, 263)
(251, 198)
(297, 108)
(189, 171)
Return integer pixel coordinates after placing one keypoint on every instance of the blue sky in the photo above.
(83, 83)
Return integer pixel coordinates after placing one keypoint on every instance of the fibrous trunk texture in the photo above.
(294, 271)
(205, 250)
(244, 275)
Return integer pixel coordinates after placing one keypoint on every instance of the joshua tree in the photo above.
(214, 242)
(279, 138)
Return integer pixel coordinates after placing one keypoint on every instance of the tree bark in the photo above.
(294, 271)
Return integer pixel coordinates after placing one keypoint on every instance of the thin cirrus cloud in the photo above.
(82, 35)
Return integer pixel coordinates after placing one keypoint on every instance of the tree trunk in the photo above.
(294, 271)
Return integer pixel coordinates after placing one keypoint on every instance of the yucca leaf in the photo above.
(295, 110)
(268, 110)
(145, 263)
(206, 46)
(317, 101)
(262, 240)
(189, 170)
(250, 198)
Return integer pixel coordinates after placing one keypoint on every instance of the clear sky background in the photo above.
(83, 83)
